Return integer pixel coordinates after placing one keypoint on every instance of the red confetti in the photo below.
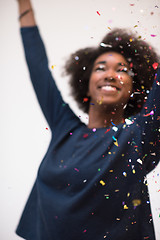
(85, 135)
(132, 4)
(107, 130)
(46, 128)
(85, 99)
(131, 65)
(98, 13)
(155, 65)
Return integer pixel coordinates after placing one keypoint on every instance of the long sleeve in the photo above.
(47, 93)
(149, 121)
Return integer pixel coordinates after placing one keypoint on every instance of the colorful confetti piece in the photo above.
(102, 183)
(98, 13)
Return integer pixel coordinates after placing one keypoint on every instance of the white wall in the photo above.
(65, 27)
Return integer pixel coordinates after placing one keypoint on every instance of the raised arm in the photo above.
(26, 13)
(46, 91)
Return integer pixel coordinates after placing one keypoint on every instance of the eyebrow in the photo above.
(101, 62)
(104, 62)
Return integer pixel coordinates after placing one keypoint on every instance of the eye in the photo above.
(100, 68)
(123, 69)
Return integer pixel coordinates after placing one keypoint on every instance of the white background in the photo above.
(65, 27)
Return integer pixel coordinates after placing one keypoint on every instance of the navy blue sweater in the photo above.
(90, 184)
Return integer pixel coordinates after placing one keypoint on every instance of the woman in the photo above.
(90, 184)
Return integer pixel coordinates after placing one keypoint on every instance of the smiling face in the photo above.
(110, 81)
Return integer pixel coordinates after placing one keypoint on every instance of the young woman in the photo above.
(90, 184)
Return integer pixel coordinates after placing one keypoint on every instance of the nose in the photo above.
(110, 75)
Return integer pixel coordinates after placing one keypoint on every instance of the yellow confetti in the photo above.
(131, 40)
(134, 171)
(125, 206)
(136, 202)
(135, 26)
(109, 28)
(111, 170)
(53, 66)
(116, 143)
(100, 101)
(102, 182)
(128, 194)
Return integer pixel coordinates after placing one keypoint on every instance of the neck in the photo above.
(103, 116)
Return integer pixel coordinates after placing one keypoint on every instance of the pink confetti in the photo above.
(76, 169)
(148, 114)
(153, 35)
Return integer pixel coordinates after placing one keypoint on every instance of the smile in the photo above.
(109, 88)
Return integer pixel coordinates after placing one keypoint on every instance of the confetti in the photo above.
(139, 161)
(125, 206)
(148, 114)
(153, 35)
(155, 65)
(116, 143)
(135, 26)
(94, 129)
(85, 135)
(109, 28)
(98, 13)
(107, 130)
(132, 4)
(136, 202)
(102, 182)
(105, 45)
(85, 99)
(125, 174)
(76, 169)
(53, 66)
(114, 138)
(115, 128)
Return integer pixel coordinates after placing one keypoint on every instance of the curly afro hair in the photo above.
(140, 56)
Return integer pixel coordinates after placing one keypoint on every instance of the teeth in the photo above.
(108, 88)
